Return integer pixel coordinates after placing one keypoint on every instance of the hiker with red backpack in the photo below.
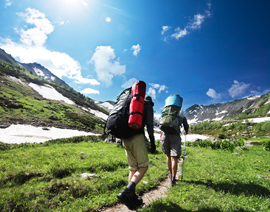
(132, 112)
(171, 121)
(137, 156)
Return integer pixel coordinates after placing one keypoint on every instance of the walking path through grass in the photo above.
(149, 197)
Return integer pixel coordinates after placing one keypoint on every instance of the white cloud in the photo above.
(61, 22)
(179, 33)
(162, 88)
(194, 24)
(165, 29)
(156, 86)
(89, 91)
(32, 50)
(213, 94)
(136, 49)
(197, 22)
(129, 83)
(8, 3)
(152, 92)
(38, 34)
(60, 64)
(105, 65)
(238, 88)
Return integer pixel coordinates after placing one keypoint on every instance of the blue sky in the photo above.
(206, 51)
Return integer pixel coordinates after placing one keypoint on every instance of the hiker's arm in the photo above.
(186, 126)
(149, 120)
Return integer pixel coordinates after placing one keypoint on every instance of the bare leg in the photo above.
(169, 163)
(174, 166)
(131, 173)
(136, 176)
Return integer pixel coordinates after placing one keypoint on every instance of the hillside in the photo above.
(31, 94)
(249, 107)
(22, 103)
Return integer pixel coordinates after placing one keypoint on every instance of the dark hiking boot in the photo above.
(130, 199)
(173, 182)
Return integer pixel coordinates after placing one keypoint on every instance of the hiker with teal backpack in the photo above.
(171, 121)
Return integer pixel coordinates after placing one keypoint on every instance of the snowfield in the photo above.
(49, 92)
(29, 134)
(258, 120)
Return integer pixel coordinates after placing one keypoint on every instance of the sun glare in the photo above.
(73, 5)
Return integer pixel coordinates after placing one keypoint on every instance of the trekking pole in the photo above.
(184, 157)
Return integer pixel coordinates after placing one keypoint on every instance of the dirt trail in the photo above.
(149, 197)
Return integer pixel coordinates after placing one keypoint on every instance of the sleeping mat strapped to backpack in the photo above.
(136, 105)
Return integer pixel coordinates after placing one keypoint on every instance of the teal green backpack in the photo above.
(170, 119)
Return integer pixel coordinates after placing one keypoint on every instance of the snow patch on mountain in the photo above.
(49, 92)
(96, 113)
(222, 112)
(193, 121)
(106, 105)
(259, 120)
(252, 97)
(18, 81)
(39, 72)
(218, 118)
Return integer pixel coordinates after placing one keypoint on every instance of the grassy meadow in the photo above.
(46, 177)
(221, 180)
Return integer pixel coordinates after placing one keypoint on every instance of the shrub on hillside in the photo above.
(4, 146)
(263, 126)
(227, 145)
(216, 145)
(266, 145)
(189, 143)
(239, 143)
(202, 143)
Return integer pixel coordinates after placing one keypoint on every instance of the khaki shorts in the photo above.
(171, 144)
(136, 151)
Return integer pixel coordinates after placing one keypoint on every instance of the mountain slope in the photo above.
(41, 71)
(7, 58)
(249, 107)
(33, 68)
(24, 104)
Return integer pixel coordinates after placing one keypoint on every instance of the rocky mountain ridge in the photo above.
(34, 68)
(245, 107)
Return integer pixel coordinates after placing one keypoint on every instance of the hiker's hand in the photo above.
(153, 144)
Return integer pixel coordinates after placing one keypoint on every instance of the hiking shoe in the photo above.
(130, 199)
(173, 182)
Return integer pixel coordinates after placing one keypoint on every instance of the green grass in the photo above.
(22, 105)
(217, 180)
(46, 177)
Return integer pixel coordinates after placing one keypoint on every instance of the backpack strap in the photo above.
(138, 96)
(135, 113)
